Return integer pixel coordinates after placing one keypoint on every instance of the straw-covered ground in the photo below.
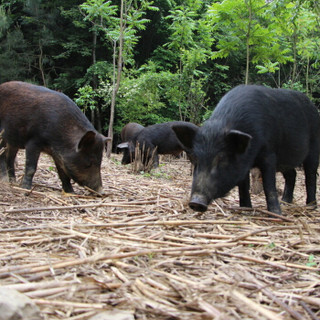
(140, 248)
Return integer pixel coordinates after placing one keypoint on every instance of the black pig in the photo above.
(158, 136)
(254, 126)
(128, 132)
(43, 120)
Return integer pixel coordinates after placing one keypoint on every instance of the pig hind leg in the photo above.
(11, 156)
(290, 180)
(310, 166)
(32, 157)
(3, 164)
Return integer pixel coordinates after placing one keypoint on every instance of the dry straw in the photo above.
(140, 248)
(144, 158)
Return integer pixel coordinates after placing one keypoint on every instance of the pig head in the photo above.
(218, 157)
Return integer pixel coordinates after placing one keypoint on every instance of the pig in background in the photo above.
(128, 132)
(38, 120)
(158, 139)
(254, 126)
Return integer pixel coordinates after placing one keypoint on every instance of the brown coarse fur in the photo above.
(42, 120)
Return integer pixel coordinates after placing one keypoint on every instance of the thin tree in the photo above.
(121, 32)
(117, 69)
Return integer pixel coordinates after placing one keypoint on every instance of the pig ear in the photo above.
(123, 145)
(87, 141)
(185, 135)
(238, 141)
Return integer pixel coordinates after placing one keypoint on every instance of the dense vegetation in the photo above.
(173, 59)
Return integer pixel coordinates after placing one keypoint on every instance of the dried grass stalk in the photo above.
(139, 247)
(144, 158)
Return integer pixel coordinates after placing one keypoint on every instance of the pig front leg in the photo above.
(244, 194)
(66, 181)
(156, 160)
(32, 157)
(268, 171)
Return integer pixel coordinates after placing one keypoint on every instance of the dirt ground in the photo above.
(140, 248)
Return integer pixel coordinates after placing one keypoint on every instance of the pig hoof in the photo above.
(68, 194)
(312, 205)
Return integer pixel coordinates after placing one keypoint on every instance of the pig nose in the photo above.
(198, 203)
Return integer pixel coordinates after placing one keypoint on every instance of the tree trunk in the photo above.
(307, 76)
(96, 112)
(41, 65)
(249, 5)
(294, 49)
(116, 80)
(94, 79)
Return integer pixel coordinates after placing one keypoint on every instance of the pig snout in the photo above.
(198, 202)
(97, 187)
(95, 183)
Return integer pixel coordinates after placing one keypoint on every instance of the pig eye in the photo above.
(217, 159)
(88, 165)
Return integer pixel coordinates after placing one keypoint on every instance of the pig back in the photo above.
(162, 136)
(281, 122)
(130, 130)
(30, 112)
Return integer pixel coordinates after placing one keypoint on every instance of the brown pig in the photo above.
(38, 120)
(128, 132)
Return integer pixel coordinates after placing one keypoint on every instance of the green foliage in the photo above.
(143, 97)
(86, 98)
(246, 26)
(104, 16)
(190, 42)
(298, 86)
(311, 262)
(180, 57)
(93, 99)
(156, 173)
(268, 67)
(271, 245)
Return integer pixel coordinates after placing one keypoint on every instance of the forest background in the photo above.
(162, 60)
